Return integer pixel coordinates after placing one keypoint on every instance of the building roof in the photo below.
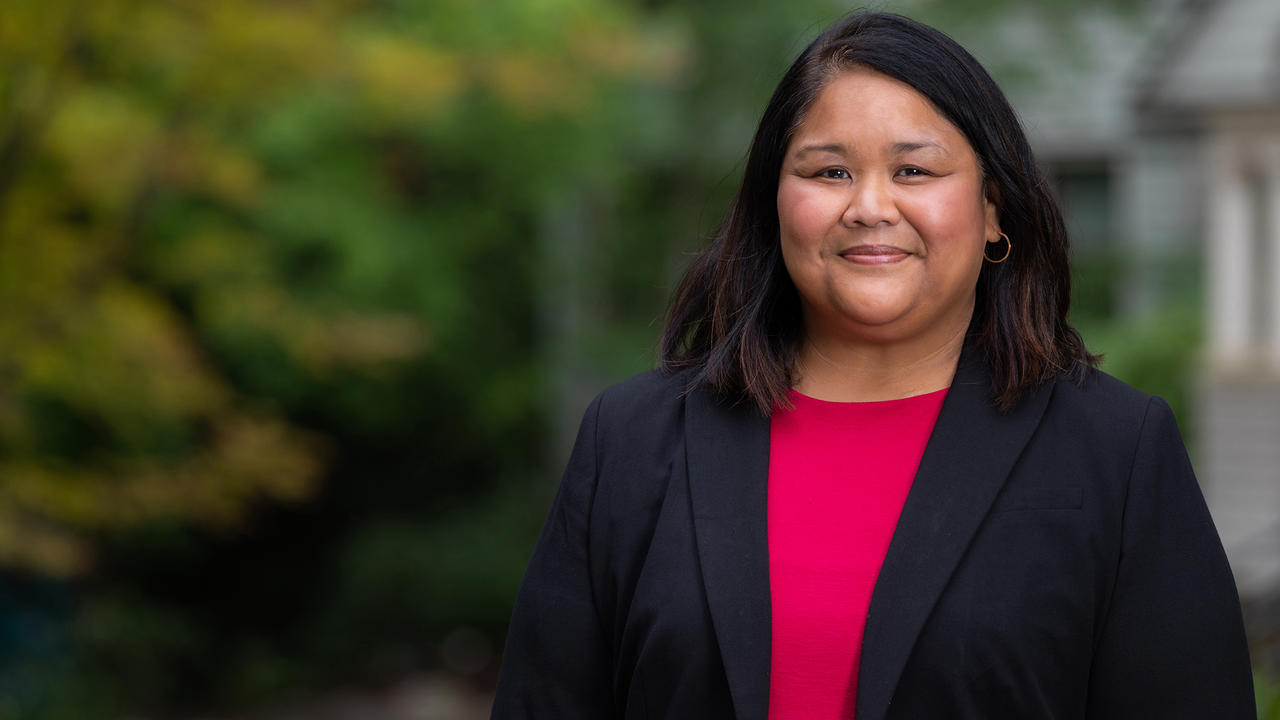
(1072, 82)
(1213, 55)
(1084, 88)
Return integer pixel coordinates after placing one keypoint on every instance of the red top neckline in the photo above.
(795, 395)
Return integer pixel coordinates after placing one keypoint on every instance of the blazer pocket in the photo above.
(1040, 498)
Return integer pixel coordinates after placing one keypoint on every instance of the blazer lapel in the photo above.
(970, 454)
(728, 459)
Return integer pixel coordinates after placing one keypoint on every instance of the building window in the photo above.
(1084, 192)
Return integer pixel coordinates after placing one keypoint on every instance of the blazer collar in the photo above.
(728, 459)
(969, 455)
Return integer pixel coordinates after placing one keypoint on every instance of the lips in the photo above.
(874, 254)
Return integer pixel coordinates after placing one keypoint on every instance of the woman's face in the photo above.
(882, 215)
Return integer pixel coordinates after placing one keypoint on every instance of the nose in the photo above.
(871, 202)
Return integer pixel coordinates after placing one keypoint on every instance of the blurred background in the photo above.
(301, 301)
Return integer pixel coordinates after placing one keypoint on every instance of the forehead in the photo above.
(860, 106)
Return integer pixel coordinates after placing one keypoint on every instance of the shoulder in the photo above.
(1106, 411)
(635, 432)
(653, 386)
(1098, 393)
(643, 410)
(649, 396)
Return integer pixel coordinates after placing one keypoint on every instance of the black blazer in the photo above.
(1053, 561)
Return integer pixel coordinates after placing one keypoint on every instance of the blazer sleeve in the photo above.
(1172, 644)
(556, 663)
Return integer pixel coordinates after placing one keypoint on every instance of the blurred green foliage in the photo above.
(1155, 351)
(270, 342)
(298, 300)
(1267, 690)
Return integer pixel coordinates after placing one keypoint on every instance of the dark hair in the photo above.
(735, 315)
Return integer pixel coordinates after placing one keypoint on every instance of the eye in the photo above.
(834, 173)
(913, 172)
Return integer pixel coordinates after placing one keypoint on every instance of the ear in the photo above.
(991, 211)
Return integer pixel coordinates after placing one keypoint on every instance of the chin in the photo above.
(876, 313)
(885, 333)
(876, 328)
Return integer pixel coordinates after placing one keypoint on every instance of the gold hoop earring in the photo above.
(1008, 248)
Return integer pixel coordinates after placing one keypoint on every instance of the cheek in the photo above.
(804, 214)
(952, 222)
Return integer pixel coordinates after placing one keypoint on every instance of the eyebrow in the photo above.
(835, 148)
(901, 148)
(904, 148)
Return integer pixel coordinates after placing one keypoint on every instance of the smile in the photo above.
(874, 254)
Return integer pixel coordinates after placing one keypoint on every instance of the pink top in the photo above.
(838, 477)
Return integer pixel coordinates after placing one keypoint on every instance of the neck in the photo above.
(866, 372)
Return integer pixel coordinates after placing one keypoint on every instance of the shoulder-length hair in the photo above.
(735, 316)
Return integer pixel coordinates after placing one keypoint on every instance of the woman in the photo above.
(878, 475)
